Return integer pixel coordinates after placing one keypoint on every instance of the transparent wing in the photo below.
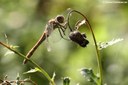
(56, 37)
(48, 30)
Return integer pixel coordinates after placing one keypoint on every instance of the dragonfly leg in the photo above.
(59, 29)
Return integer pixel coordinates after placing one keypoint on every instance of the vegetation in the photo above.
(22, 23)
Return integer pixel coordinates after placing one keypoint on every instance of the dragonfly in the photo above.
(57, 22)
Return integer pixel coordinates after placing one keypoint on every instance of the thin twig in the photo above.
(23, 56)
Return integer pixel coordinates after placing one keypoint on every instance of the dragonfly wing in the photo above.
(48, 30)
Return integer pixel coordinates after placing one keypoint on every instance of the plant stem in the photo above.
(35, 64)
(95, 42)
(98, 54)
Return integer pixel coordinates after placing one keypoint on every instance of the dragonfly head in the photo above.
(60, 19)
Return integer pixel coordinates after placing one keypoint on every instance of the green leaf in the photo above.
(32, 71)
(89, 75)
(53, 76)
(8, 53)
(14, 46)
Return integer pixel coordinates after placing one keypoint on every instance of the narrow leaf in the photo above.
(32, 71)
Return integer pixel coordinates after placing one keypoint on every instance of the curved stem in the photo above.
(35, 64)
(95, 42)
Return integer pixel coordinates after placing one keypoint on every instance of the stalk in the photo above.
(35, 64)
(95, 42)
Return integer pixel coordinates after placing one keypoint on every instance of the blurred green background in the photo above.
(23, 22)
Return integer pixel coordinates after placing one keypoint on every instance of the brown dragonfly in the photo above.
(58, 22)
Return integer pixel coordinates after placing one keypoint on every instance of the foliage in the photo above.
(23, 21)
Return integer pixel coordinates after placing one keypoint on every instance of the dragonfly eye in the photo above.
(60, 18)
(78, 38)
